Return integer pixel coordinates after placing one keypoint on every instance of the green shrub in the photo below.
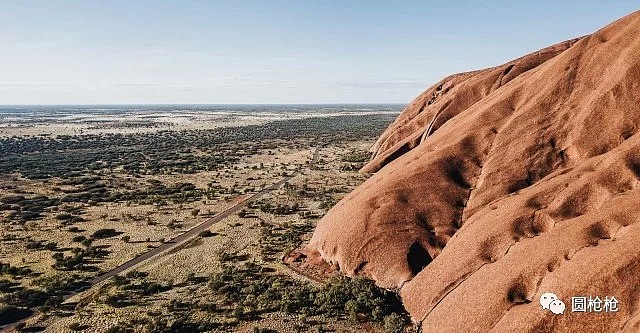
(394, 323)
(14, 270)
(356, 156)
(117, 329)
(78, 239)
(11, 313)
(64, 217)
(260, 291)
(104, 233)
(76, 326)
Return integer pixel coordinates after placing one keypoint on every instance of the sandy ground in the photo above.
(96, 121)
(241, 236)
(146, 225)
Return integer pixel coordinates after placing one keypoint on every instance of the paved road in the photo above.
(193, 232)
(182, 238)
(188, 235)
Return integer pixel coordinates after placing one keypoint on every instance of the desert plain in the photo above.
(85, 191)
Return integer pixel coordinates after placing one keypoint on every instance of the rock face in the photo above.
(496, 186)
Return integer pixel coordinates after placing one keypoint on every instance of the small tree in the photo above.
(393, 323)
(78, 238)
(238, 312)
(75, 326)
(104, 233)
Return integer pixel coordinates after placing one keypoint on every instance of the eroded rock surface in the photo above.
(495, 186)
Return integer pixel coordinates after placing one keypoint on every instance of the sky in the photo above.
(254, 52)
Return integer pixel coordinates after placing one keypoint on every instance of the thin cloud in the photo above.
(384, 83)
(32, 84)
(248, 81)
(134, 85)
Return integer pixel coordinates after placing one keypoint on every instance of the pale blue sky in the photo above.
(121, 52)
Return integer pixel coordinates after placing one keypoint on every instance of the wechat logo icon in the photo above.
(549, 301)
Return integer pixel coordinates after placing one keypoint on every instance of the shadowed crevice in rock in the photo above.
(417, 258)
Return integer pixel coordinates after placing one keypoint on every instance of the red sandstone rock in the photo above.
(495, 186)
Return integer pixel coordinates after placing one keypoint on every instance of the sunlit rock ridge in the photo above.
(495, 186)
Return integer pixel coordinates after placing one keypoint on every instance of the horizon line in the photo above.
(204, 104)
